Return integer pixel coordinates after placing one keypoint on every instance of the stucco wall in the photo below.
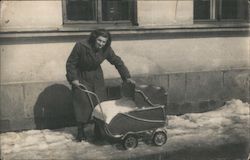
(46, 61)
(47, 14)
(16, 14)
(174, 12)
(33, 73)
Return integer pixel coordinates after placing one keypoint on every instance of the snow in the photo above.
(109, 109)
(227, 125)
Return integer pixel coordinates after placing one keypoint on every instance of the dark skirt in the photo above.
(82, 104)
(94, 82)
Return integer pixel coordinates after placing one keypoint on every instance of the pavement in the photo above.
(222, 134)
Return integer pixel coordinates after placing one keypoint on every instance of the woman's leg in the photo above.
(83, 111)
(80, 132)
(97, 132)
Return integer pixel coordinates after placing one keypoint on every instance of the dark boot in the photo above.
(97, 132)
(80, 132)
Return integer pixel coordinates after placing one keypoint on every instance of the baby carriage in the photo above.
(123, 122)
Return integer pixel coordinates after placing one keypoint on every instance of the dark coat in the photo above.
(84, 64)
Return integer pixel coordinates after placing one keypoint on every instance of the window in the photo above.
(99, 11)
(220, 10)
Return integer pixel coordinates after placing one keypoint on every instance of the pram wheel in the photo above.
(159, 138)
(130, 142)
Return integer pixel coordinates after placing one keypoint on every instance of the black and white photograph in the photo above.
(124, 80)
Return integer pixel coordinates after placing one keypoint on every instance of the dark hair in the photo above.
(99, 32)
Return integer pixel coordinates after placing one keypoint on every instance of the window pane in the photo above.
(115, 10)
(234, 9)
(201, 9)
(81, 10)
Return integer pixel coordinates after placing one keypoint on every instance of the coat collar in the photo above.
(86, 44)
(94, 54)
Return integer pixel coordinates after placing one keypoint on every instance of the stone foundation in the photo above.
(48, 105)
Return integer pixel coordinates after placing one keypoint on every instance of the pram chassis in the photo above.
(157, 135)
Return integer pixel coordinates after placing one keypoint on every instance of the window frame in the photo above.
(216, 14)
(99, 21)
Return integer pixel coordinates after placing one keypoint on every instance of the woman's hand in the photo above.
(129, 80)
(78, 84)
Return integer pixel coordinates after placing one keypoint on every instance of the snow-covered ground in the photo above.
(229, 124)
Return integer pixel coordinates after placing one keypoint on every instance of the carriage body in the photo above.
(129, 123)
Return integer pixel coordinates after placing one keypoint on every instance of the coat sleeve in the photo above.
(72, 63)
(119, 64)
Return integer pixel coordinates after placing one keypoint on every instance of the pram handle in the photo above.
(129, 90)
(145, 97)
(85, 89)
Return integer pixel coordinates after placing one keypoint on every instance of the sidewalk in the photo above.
(223, 134)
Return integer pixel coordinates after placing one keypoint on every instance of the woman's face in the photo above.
(100, 42)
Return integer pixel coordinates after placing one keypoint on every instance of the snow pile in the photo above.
(45, 144)
(112, 108)
(41, 139)
(228, 125)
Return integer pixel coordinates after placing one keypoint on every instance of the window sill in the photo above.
(128, 27)
(78, 31)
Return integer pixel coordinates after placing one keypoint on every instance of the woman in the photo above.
(84, 70)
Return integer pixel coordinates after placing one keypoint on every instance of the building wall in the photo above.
(41, 62)
(44, 14)
(30, 14)
(199, 72)
(174, 12)
(49, 105)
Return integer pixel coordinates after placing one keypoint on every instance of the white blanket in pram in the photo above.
(112, 108)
